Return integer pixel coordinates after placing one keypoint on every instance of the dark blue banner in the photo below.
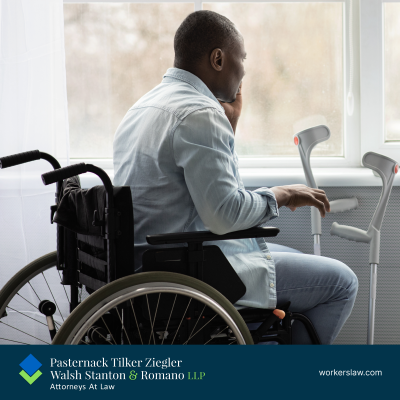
(198, 372)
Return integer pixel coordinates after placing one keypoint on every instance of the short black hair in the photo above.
(199, 34)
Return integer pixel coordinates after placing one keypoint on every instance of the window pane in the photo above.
(294, 71)
(115, 53)
(392, 71)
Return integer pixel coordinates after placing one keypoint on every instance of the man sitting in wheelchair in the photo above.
(175, 148)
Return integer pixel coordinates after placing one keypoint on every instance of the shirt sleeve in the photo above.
(203, 146)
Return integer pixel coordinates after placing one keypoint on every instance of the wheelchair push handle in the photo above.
(77, 169)
(20, 158)
(342, 205)
(27, 156)
(64, 173)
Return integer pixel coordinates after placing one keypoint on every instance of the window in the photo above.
(298, 69)
(294, 74)
(115, 53)
(392, 71)
(379, 77)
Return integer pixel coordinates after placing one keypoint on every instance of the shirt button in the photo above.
(268, 257)
(271, 284)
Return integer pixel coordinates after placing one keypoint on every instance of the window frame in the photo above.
(352, 126)
(372, 80)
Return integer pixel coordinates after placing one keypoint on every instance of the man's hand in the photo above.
(233, 110)
(293, 196)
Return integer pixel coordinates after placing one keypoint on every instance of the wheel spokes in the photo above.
(122, 323)
(201, 328)
(53, 297)
(13, 327)
(23, 314)
(19, 312)
(134, 314)
(181, 320)
(172, 309)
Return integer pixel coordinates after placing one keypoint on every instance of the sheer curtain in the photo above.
(33, 116)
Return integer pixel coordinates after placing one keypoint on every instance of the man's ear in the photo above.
(217, 59)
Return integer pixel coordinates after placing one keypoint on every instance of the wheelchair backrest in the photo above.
(87, 258)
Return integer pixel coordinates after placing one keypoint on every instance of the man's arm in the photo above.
(291, 196)
(203, 147)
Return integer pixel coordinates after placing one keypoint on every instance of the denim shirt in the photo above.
(175, 148)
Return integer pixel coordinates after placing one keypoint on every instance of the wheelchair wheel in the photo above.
(155, 308)
(21, 322)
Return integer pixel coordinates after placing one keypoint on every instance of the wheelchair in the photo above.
(185, 294)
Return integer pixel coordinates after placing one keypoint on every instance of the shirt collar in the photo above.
(193, 80)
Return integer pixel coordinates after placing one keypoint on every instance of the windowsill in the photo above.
(324, 177)
(258, 177)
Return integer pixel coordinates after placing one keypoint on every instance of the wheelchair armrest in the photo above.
(207, 236)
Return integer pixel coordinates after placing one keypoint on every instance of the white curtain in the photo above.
(33, 116)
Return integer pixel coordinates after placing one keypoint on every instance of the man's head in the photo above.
(208, 45)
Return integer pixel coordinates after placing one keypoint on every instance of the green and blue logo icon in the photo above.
(30, 369)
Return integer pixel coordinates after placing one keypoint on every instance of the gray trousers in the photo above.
(321, 288)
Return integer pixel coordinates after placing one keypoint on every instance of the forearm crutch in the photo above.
(305, 141)
(387, 169)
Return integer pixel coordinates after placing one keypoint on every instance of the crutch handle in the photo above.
(387, 169)
(306, 140)
(341, 205)
(350, 233)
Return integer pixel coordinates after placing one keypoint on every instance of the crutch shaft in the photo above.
(317, 245)
(372, 298)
